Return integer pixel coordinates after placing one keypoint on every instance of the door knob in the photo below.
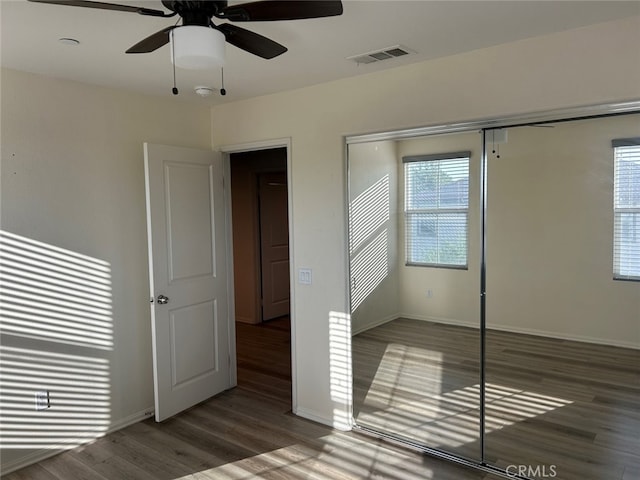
(162, 300)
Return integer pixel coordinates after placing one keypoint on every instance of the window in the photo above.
(436, 209)
(626, 208)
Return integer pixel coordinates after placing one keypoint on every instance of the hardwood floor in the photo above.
(264, 358)
(245, 433)
(572, 405)
(420, 383)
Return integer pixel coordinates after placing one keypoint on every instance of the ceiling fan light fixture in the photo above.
(203, 91)
(197, 48)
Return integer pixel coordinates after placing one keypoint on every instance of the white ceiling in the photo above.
(318, 48)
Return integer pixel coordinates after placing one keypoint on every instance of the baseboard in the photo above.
(377, 323)
(318, 418)
(527, 331)
(131, 419)
(446, 321)
(314, 416)
(43, 454)
(249, 320)
(564, 336)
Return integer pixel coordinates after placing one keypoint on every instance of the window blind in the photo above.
(626, 207)
(436, 209)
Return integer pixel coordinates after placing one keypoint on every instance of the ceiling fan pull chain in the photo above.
(222, 90)
(173, 65)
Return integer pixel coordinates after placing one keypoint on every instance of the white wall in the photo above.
(373, 203)
(555, 71)
(73, 178)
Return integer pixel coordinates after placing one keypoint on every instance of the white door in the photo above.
(188, 275)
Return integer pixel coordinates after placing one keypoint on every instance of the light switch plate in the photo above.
(305, 276)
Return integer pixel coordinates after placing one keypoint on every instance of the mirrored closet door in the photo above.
(495, 294)
(414, 243)
(563, 299)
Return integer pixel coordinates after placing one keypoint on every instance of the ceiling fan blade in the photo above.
(251, 42)
(270, 10)
(105, 6)
(152, 42)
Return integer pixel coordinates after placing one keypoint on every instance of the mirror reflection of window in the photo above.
(436, 209)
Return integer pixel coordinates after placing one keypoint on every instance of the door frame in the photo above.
(226, 151)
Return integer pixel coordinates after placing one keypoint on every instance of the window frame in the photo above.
(406, 160)
(618, 210)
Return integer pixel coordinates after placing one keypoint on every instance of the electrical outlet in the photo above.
(429, 293)
(42, 400)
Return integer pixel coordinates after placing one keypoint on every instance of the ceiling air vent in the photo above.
(380, 55)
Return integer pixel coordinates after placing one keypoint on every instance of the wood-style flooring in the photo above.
(245, 433)
(571, 405)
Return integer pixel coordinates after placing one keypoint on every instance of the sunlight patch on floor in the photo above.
(411, 396)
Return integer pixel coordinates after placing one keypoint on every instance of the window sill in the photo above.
(627, 279)
(437, 265)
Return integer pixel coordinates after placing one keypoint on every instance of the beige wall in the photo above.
(373, 252)
(561, 70)
(73, 178)
(550, 234)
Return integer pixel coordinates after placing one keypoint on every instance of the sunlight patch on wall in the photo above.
(368, 245)
(340, 367)
(56, 330)
(80, 395)
(368, 212)
(49, 293)
(368, 269)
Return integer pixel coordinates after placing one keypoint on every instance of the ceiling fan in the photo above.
(199, 13)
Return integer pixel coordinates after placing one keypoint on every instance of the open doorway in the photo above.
(259, 208)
